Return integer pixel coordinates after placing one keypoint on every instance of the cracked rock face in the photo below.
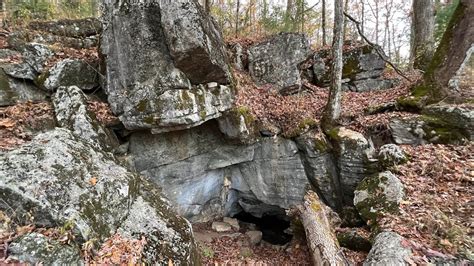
(14, 91)
(163, 60)
(205, 176)
(58, 178)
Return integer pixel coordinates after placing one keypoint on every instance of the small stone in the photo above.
(221, 227)
(212, 85)
(233, 222)
(391, 154)
(254, 236)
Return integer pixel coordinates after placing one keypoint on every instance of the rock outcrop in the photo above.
(59, 178)
(206, 176)
(362, 69)
(320, 166)
(388, 250)
(164, 72)
(275, 61)
(355, 160)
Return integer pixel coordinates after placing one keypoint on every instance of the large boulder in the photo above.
(320, 166)
(389, 250)
(276, 60)
(14, 91)
(68, 27)
(206, 177)
(59, 178)
(391, 155)
(37, 249)
(354, 160)
(71, 72)
(362, 69)
(460, 118)
(378, 195)
(20, 71)
(157, 54)
(70, 106)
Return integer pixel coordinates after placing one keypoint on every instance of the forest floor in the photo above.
(436, 218)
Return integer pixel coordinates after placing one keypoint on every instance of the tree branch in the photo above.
(376, 47)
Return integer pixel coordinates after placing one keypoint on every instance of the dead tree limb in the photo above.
(376, 47)
(322, 241)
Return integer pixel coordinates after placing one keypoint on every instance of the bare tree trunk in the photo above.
(362, 19)
(237, 18)
(332, 110)
(455, 46)
(322, 241)
(346, 7)
(289, 15)
(323, 21)
(376, 21)
(423, 33)
(207, 6)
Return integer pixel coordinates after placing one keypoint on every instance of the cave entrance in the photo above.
(272, 226)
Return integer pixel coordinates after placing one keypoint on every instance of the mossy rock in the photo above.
(377, 195)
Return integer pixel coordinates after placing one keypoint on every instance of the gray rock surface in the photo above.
(71, 72)
(320, 167)
(221, 227)
(354, 159)
(407, 131)
(58, 178)
(207, 177)
(238, 125)
(391, 154)
(20, 71)
(388, 250)
(35, 248)
(276, 60)
(362, 70)
(152, 73)
(70, 106)
(456, 117)
(378, 195)
(14, 91)
(36, 55)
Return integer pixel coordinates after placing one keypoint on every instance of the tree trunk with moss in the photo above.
(423, 33)
(332, 110)
(322, 241)
(450, 57)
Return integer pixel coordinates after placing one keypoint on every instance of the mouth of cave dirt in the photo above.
(274, 228)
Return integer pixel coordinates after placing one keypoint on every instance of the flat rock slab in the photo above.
(221, 227)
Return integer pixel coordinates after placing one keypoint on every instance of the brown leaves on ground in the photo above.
(292, 111)
(437, 213)
(227, 250)
(20, 121)
(118, 250)
(102, 112)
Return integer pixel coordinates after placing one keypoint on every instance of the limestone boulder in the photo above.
(58, 178)
(275, 61)
(14, 91)
(354, 160)
(391, 154)
(71, 72)
(378, 195)
(388, 249)
(159, 58)
(320, 167)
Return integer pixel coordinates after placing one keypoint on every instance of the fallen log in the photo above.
(322, 241)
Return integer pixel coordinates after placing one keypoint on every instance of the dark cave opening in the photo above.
(272, 227)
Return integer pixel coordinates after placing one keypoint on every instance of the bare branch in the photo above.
(376, 47)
